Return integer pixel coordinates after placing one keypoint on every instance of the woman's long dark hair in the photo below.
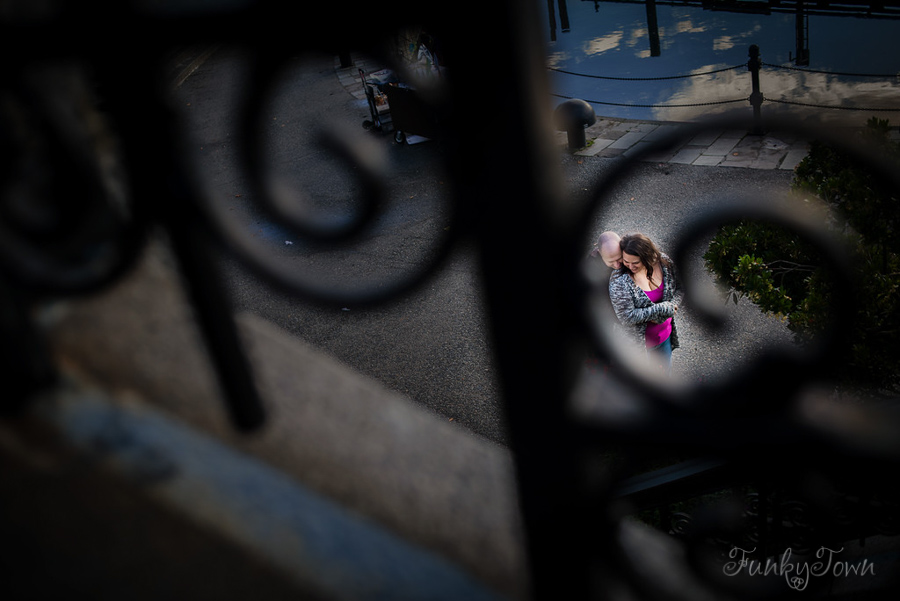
(642, 247)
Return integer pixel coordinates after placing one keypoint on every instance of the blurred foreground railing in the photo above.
(83, 184)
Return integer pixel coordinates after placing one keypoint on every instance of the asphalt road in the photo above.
(431, 343)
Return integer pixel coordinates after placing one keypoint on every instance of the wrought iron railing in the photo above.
(82, 185)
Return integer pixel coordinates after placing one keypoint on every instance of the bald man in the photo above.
(607, 248)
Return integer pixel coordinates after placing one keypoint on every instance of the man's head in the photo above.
(608, 250)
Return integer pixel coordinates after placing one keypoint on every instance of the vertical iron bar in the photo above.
(213, 312)
(551, 15)
(801, 25)
(756, 97)
(520, 192)
(563, 16)
(653, 28)
(166, 192)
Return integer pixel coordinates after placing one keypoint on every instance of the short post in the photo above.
(756, 97)
(572, 116)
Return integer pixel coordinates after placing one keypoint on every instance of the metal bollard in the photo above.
(756, 97)
(572, 116)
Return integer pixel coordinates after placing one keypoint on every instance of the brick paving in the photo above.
(610, 137)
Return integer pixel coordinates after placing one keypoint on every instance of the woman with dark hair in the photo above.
(645, 294)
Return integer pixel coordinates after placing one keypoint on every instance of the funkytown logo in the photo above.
(797, 574)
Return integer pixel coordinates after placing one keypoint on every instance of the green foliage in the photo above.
(753, 275)
(782, 275)
(852, 189)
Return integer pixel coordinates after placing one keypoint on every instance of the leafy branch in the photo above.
(770, 266)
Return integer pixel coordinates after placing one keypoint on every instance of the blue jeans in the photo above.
(661, 355)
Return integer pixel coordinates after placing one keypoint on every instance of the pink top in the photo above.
(657, 333)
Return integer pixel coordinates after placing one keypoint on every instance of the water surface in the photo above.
(616, 39)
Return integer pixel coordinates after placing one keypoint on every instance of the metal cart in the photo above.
(395, 107)
(379, 106)
(411, 116)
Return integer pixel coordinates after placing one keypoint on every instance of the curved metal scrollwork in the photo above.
(367, 161)
(60, 243)
(67, 224)
(776, 365)
(757, 419)
(284, 205)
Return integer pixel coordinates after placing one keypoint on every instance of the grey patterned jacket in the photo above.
(635, 310)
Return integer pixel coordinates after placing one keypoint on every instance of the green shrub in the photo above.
(783, 275)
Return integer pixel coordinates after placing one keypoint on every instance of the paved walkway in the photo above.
(611, 137)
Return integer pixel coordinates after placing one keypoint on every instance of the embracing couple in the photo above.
(645, 292)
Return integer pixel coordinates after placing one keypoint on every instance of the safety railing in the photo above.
(756, 98)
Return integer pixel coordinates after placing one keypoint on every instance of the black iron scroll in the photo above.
(761, 427)
(278, 202)
(529, 240)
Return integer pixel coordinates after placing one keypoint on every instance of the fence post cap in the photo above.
(574, 113)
